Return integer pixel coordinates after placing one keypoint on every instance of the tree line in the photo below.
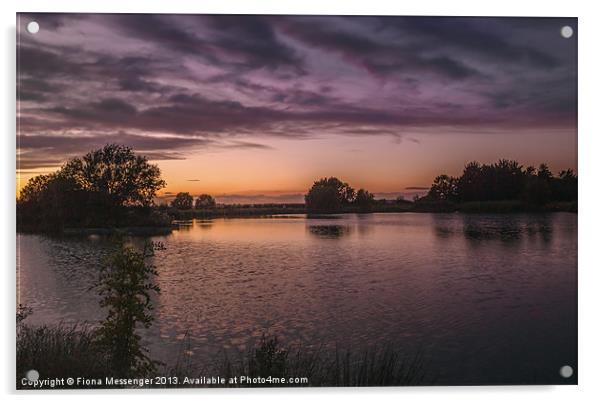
(114, 187)
(504, 180)
(184, 201)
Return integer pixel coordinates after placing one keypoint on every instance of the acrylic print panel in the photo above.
(295, 201)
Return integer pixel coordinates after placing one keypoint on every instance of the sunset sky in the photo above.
(255, 108)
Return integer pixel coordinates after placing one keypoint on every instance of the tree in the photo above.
(565, 186)
(328, 195)
(204, 201)
(94, 190)
(183, 201)
(444, 188)
(470, 184)
(364, 200)
(505, 180)
(115, 174)
(51, 202)
(125, 288)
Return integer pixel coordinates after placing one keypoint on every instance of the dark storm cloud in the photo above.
(137, 84)
(253, 38)
(377, 56)
(43, 64)
(241, 42)
(194, 114)
(176, 83)
(481, 36)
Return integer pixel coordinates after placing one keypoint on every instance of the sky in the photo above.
(256, 108)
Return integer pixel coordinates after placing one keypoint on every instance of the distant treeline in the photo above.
(503, 181)
(114, 188)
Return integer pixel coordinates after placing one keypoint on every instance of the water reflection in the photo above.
(184, 225)
(329, 231)
(204, 224)
(508, 229)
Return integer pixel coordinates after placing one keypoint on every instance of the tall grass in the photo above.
(59, 351)
(70, 351)
(373, 366)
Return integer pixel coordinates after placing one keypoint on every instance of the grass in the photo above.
(59, 351)
(70, 351)
(376, 366)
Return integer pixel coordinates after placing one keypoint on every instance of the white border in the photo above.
(590, 68)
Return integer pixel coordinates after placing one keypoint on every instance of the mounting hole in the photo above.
(566, 371)
(566, 31)
(33, 27)
(32, 375)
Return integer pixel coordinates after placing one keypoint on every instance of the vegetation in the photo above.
(331, 195)
(62, 351)
(505, 185)
(364, 200)
(380, 366)
(125, 286)
(114, 349)
(183, 201)
(112, 189)
(109, 187)
(204, 201)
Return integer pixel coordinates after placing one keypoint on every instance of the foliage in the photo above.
(115, 175)
(125, 287)
(364, 200)
(71, 351)
(23, 312)
(503, 181)
(331, 195)
(204, 201)
(382, 366)
(183, 201)
(444, 188)
(60, 352)
(94, 190)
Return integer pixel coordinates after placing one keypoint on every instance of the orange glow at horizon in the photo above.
(377, 163)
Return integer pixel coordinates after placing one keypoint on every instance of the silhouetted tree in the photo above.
(93, 190)
(470, 184)
(204, 201)
(328, 195)
(183, 201)
(538, 183)
(364, 200)
(565, 186)
(444, 188)
(115, 174)
(504, 180)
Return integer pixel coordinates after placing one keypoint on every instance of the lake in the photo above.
(486, 298)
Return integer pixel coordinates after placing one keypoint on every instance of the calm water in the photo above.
(486, 298)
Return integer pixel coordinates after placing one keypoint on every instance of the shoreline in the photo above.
(181, 217)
